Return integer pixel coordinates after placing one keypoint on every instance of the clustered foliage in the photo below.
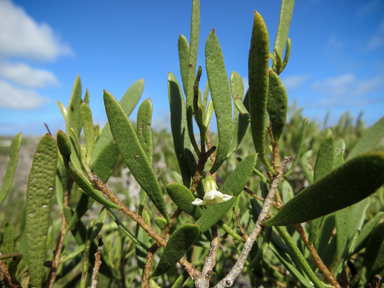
(181, 210)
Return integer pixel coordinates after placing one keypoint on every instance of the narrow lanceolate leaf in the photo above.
(11, 168)
(323, 165)
(179, 126)
(73, 112)
(144, 132)
(8, 239)
(128, 103)
(325, 158)
(192, 60)
(366, 232)
(178, 244)
(132, 152)
(237, 91)
(183, 198)
(375, 241)
(63, 110)
(286, 11)
(39, 194)
(370, 138)
(63, 143)
(258, 78)
(106, 160)
(337, 190)
(183, 47)
(240, 128)
(299, 151)
(277, 105)
(347, 253)
(306, 166)
(357, 212)
(143, 237)
(89, 132)
(221, 97)
(233, 186)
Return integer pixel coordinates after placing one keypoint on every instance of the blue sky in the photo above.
(336, 60)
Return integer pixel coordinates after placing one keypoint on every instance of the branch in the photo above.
(60, 242)
(97, 263)
(202, 280)
(238, 267)
(316, 257)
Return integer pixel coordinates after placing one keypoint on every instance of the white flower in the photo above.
(211, 196)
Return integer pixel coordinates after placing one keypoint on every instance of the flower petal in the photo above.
(198, 202)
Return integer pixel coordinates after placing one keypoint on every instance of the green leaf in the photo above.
(370, 138)
(73, 112)
(297, 256)
(287, 53)
(183, 48)
(357, 213)
(325, 233)
(306, 166)
(87, 246)
(11, 168)
(142, 236)
(221, 97)
(178, 244)
(286, 11)
(63, 110)
(237, 91)
(40, 187)
(284, 259)
(86, 186)
(375, 241)
(63, 143)
(337, 190)
(89, 132)
(366, 232)
(144, 132)
(323, 165)
(277, 105)
(179, 126)
(286, 192)
(105, 161)
(240, 128)
(132, 152)
(128, 103)
(342, 233)
(298, 154)
(7, 247)
(192, 60)
(258, 85)
(183, 198)
(233, 186)
(347, 253)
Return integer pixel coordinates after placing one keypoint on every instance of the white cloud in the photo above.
(348, 89)
(377, 39)
(333, 44)
(24, 75)
(21, 36)
(294, 82)
(369, 7)
(16, 98)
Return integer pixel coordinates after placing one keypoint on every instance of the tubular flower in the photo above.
(211, 196)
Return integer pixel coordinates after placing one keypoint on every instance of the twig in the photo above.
(275, 149)
(5, 277)
(59, 247)
(210, 262)
(203, 157)
(254, 195)
(97, 263)
(242, 230)
(316, 257)
(139, 220)
(209, 146)
(238, 267)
